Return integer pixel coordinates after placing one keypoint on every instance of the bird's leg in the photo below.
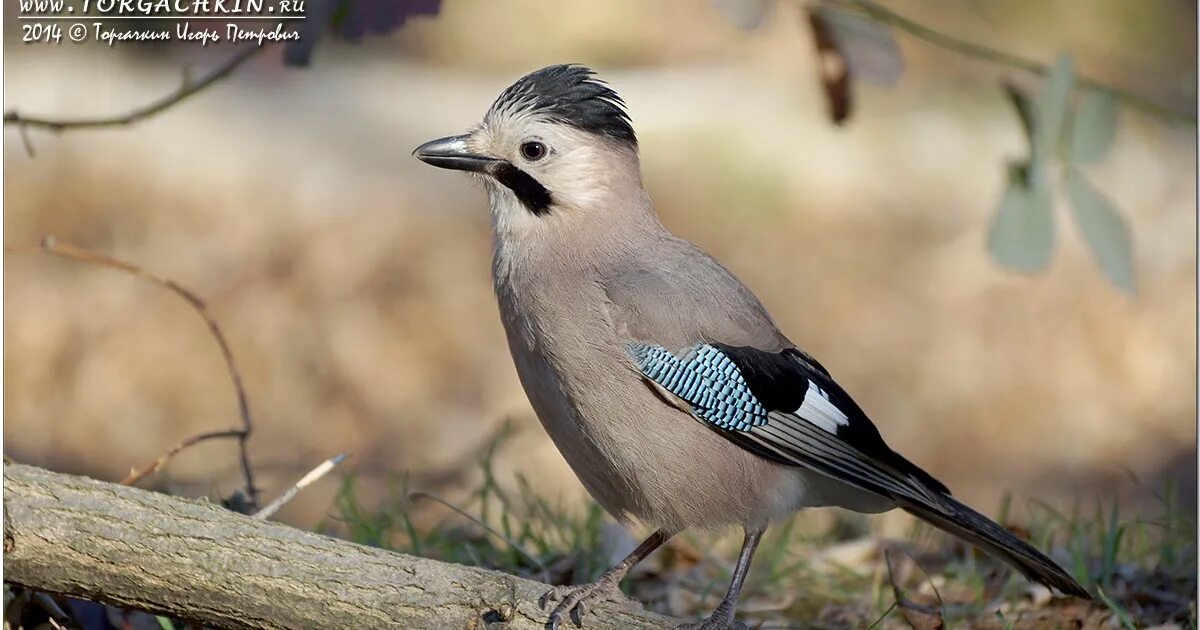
(722, 617)
(576, 599)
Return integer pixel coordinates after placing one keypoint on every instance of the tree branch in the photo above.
(52, 246)
(884, 15)
(202, 563)
(188, 87)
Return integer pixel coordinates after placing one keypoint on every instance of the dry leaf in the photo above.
(920, 617)
(850, 47)
(869, 48)
(832, 66)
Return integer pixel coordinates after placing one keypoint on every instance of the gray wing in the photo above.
(700, 337)
(682, 296)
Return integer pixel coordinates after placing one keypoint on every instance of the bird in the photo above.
(660, 377)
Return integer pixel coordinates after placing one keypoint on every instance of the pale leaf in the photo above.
(1104, 229)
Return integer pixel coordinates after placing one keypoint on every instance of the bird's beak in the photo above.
(453, 153)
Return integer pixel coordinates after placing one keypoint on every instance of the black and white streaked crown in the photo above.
(569, 94)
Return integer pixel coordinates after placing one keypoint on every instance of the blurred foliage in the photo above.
(1021, 236)
(1061, 139)
(353, 20)
(744, 14)
(1104, 229)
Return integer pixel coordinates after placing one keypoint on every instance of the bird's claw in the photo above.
(552, 595)
(574, 601)
(712, 624)
(720, 619)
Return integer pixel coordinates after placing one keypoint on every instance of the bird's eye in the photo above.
(533, 151)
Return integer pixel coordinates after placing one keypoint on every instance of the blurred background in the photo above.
(353, 281)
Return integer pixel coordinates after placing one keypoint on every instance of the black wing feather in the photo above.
(780, 380)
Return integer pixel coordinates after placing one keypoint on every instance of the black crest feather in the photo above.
(569, 94)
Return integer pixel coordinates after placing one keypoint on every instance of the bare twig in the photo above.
(137, 474)
(461, 512)
(919, 616)
(23, 131)
(928, 578)
(313, 475)
(51, 246)
(876, 11)
(189, 86)
(883, 616)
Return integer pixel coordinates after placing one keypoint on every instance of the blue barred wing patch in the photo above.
(706, 379)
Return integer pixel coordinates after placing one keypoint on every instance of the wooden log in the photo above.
(199, 562)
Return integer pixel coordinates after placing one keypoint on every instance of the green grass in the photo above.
(512, 530)
(1141, 569)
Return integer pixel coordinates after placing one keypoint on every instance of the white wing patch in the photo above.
(818, 410)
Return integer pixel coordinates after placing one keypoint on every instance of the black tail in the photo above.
(982, 532)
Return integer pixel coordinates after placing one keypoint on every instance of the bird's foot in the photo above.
(720, 619)
(574, 601)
